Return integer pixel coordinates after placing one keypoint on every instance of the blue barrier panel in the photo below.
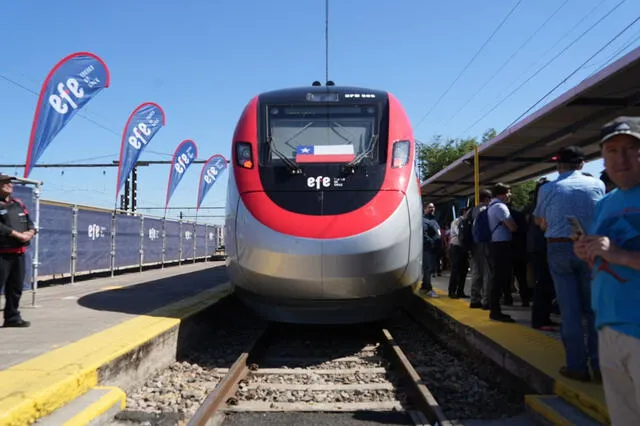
(201, 239)
(55, 239)
(152, 240)
(25, 194)
(211, 240)
(187, 241)
(127, 240)
(172, 244)
(94, 241)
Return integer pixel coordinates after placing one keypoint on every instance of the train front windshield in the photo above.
(322, 133)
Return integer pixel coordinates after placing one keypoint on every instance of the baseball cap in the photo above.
(5, 178)
(620, 126)
(570, 154)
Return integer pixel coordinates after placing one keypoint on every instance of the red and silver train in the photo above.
(324, 213)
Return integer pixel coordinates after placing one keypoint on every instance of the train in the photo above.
(323, 221)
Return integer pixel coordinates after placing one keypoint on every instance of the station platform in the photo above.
(83, 334)
(533, 356)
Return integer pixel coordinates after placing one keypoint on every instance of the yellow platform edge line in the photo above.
(537, 404)
(113, 397)
(39, 386)
(578, 399)
(538, 350)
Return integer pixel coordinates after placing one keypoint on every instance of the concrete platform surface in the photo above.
(534, 356)
(66, 313)
(111, 331)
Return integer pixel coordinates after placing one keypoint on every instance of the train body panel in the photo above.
(324, 243)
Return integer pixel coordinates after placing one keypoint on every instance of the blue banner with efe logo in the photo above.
(70, 85)
(183, 157)
(142, 125)
(211, 172)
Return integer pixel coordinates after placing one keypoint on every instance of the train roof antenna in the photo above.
(326, 39)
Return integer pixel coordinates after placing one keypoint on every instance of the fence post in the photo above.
(113, 243)
(35, 258)
(180, 255)
(74, 242)
(141, 242)
(164, 239)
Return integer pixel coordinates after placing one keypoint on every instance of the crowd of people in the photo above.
(577, 244)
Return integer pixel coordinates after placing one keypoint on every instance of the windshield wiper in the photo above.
(373, 143)
(293, 167)
(295, 135)
(350, 140)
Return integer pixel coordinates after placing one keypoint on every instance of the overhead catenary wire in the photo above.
(574, 71)
(626, 45)
(79, 114)
(473, 58)
(545, 65)
(507, 61)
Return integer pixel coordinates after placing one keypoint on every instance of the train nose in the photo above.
(272, 264)
(367, 264)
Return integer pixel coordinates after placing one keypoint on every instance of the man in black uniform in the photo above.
(431, 240)
(16, 230)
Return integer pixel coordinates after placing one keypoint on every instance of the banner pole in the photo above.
(35, 260)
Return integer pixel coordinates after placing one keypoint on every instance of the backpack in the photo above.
(482, 232)
(465, 230)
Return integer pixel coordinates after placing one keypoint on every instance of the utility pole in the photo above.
(127, 190)
(134, 188)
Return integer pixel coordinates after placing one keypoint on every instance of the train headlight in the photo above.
(400, 156)
(244, 158)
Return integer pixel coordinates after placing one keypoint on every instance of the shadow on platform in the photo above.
(144, 298)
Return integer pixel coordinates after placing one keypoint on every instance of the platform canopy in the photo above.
(524, 150)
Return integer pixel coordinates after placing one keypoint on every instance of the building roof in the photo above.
(524, 150)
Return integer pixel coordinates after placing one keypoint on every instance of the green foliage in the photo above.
(520, 194)
(439, 153)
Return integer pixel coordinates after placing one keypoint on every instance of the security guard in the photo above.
(16, 230)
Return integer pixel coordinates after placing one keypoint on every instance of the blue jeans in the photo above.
(572, 281)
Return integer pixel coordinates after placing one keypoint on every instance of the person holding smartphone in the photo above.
(611, 247)
(571, 193)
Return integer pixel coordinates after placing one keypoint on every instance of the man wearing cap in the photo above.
(16, 230)
(572, 194)
(612, 249)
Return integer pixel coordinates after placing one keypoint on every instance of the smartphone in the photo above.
(576, 226)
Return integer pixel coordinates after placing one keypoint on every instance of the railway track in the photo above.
(290, 369)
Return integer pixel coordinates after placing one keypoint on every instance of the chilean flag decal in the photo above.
(325, 153)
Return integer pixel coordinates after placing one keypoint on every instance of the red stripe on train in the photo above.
(361, 220)
(329, 158)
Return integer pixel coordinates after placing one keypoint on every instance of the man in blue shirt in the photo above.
(572, 193)
(612, 249)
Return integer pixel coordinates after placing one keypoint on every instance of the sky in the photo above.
(451, 64)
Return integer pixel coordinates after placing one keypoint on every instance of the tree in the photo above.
(441, 152)
(520, 194)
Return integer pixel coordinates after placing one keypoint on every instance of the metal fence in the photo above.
(74, 240)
